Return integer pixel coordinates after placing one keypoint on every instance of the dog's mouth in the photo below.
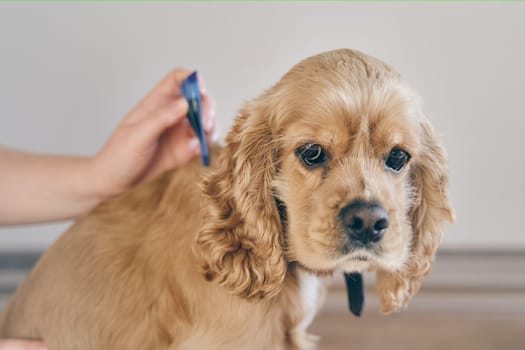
(357, 262)
(324, 261)
(360, 258)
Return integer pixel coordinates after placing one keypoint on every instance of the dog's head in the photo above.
(335, 168)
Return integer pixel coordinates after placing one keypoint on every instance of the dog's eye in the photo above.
(311, 154)
(397, 159)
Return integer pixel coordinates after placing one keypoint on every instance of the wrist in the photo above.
(107, 176)
(91, 179)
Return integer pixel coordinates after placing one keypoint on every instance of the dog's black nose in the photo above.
(364, 221)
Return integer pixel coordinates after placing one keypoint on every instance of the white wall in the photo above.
(69, 72)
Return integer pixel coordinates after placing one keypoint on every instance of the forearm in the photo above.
(41, 188)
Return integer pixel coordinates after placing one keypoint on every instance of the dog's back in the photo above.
(115, 272)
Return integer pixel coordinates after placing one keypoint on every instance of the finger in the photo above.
(174, 110)
(166, 90)
(149, 130)
(15, 344)
(202, 84)
(178, 148)
(208, 112)
(184, 146)
(207, 115)
(213, 136)
(171, 83)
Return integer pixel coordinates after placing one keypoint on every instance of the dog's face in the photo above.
(345, 180)
(340, 143)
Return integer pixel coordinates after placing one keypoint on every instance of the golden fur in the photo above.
(238, 263)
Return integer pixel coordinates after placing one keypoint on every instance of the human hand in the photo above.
(154, 137)
(15, 344)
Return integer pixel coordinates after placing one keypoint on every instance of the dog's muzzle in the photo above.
(364, 222)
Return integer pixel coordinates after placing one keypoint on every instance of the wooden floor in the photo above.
(419, 329)
(471, 301)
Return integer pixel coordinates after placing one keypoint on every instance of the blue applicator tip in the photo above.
(191, 92)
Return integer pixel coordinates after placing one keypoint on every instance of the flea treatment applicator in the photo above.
(191, 92)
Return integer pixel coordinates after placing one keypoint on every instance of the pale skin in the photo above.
(153, 137)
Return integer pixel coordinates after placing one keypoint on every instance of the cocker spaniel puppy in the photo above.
(334, 169)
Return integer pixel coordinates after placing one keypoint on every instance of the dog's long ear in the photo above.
(241, 243)
(430, 211)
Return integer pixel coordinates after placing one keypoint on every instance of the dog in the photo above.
(333, 169)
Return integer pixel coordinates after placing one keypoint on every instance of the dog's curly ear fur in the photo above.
(429, 213)
(241, 243)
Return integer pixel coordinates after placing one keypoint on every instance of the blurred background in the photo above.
(70, 72)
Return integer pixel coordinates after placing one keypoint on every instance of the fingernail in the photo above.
(210, 122)
(202, 85)
(193, 145)
(214, 137)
